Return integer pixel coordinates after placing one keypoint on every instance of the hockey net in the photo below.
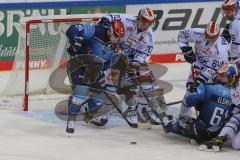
(41, 50)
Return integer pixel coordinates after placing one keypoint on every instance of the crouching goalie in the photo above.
(91, 49)
(137, 45)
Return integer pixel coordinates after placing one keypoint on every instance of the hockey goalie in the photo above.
(136, 45)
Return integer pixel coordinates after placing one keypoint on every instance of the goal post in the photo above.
(41, 48)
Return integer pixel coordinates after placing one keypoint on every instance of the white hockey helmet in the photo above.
(146, 14)
(212, 31)
(230, 6)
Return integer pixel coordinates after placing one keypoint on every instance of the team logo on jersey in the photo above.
(132, 40)
(79, 27)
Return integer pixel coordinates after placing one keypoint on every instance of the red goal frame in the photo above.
(60, 19)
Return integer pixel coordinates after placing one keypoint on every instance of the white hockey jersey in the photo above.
(136, 45)
(232, 127)
(235, 96)
(235, 92)
(234, 31)
(209, 56)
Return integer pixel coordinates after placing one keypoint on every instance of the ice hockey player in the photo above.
(209, 53)
(213, 102)
(137, 45)
(231, 11)
(91, 49)
(229, 73)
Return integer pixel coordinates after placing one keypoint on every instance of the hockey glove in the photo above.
(214, 145)
(105, 22)
(192, 87)
(186, 122)
(133, 67)
(188, 54)
(226, 34)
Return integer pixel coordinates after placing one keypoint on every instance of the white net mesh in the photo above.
(48, 46)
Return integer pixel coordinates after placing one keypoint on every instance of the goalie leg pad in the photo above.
(142, 105)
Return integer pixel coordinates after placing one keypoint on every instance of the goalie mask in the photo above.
(229, 74)
(145, 18)
(212, 31)
(230, 8)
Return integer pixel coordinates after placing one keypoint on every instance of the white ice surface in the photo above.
(39, 135)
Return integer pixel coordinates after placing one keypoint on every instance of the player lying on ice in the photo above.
(229, 74)
(137, 45)
(213, 102)
(91, 49)
(209, 53)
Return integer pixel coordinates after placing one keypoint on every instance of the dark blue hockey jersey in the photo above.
(214, 104)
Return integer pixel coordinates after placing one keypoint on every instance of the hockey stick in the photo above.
(132, 125)
(173, 103)
(156, 93)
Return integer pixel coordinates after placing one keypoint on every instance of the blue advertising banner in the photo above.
(92, 3)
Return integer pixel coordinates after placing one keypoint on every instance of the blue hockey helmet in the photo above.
(229, 74)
